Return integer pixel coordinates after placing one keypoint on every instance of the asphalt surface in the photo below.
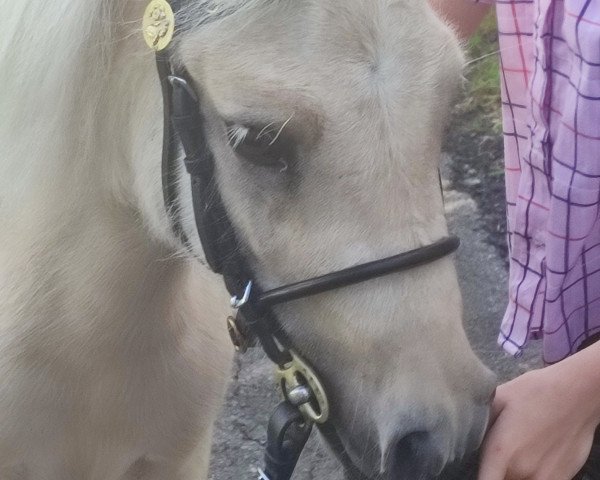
(241, 431)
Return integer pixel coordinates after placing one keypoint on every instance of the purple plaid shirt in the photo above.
(550, 59)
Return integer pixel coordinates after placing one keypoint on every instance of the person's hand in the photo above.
(543, 423)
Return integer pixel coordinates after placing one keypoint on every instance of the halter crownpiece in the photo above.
(158, 24)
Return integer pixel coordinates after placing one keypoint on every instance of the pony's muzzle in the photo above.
(422, 454)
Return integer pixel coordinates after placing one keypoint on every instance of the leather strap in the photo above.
(219, 241)
(169, 148)
(360, 273)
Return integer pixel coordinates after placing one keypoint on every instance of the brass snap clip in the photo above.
(302, 387)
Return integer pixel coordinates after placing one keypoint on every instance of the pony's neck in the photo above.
(81, 203)
(79, 110)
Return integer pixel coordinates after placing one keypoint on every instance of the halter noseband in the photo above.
(184, 129)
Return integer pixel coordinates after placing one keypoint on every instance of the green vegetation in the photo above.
(474, 140)
(480, 106)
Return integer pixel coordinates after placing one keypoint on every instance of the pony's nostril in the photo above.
(415, 456)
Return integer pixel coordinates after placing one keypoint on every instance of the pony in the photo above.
(325, 119)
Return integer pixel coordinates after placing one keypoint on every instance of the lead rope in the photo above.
(287, 435)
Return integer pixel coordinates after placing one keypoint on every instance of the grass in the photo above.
(475, 139)
(481, 103)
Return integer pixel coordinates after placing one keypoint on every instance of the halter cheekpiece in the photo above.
(184, 131)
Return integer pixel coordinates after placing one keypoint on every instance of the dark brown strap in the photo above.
(169, 148)
(360, 273)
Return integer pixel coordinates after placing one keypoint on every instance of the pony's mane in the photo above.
(46, 44)
(206, 11)
(55, 61)
(54, 58)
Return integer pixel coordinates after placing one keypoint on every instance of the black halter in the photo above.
(184, 129)
(217, 235)
(219, 240)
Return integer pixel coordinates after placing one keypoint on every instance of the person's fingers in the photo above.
(498, 405)
(492, 466)
(494, 457)
(491, 469)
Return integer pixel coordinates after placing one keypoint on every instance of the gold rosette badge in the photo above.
(158, 25)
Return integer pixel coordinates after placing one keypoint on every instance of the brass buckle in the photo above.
(239, 340)
(158, 24)
(296, 374)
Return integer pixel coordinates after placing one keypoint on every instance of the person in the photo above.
(543, 422)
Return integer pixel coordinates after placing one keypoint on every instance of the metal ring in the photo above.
(293, 375)
(182, 82)
(240, 302)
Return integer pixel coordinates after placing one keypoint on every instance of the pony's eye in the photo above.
(265, 147)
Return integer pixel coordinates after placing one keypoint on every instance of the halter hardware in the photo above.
(297, 379)
(241, 338)
(238, 303)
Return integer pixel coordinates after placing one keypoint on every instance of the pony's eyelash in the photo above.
(266, 132)
(237, 134)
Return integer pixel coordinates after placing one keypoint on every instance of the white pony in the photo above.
(113, 355)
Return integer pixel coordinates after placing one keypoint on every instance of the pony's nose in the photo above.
(415, 456)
